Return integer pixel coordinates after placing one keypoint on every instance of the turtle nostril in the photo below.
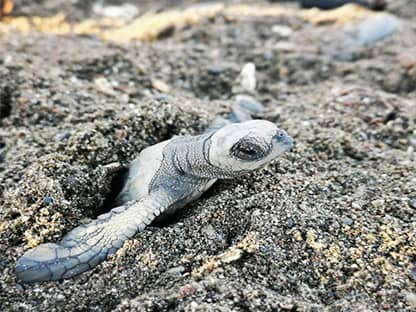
(279, 135)
(283, 138)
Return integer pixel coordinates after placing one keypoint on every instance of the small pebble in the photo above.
(210, 232)
(376, 28)
(248, 78)
(285, 46)
(161, 86)
(407, 59)
(215, 70)
(125, 11)
(378, 203)
(413, 274)
(47, 200)
(60, 298)
(347, 221)
(282, 30)
(176, 270)
(249, 104)
(104, 86)
(290, 223)
(63, 135)
(411, 299)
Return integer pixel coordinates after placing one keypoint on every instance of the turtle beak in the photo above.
(283, 138)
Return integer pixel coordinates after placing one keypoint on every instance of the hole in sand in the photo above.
(116, 185)
(5, 102)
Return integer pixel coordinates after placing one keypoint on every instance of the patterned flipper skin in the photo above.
(89, 244)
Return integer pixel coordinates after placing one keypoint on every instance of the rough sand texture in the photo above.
(330, 225)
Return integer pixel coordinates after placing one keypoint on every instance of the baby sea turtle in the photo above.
(163, 178)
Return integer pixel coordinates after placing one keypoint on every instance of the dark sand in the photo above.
(329, 226)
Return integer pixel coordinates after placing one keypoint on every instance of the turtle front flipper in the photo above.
(88, 245)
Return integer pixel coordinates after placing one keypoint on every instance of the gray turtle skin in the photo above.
(163, 178)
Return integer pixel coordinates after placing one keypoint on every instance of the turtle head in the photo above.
(242, 147)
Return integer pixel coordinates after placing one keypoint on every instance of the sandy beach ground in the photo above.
(327, 227)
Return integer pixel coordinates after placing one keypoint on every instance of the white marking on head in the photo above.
(248, 145)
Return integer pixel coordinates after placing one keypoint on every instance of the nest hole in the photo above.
(6, 96)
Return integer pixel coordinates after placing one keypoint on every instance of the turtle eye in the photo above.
(244, 152)
(249, 149)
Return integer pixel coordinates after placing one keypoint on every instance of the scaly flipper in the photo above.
(88, 245)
